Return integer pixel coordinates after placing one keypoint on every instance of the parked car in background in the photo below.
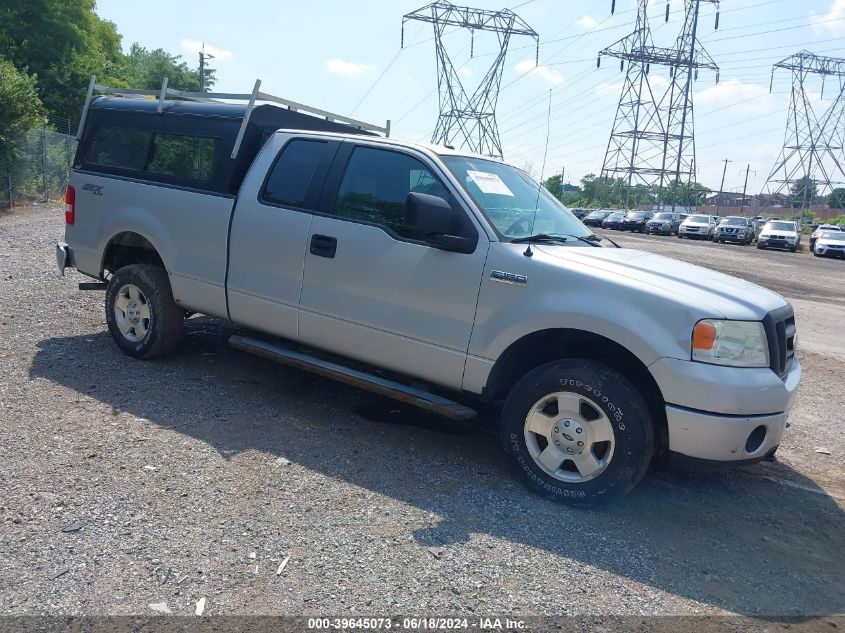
(635, 221)
(821, 228)
(580, 213)
(697, 226)
(734, 229)
(595, 218)
(613, 221)
(663, 223)
(830, 244)
(716, 219)
(779, 234)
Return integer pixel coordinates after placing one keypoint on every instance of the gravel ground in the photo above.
(128, 483)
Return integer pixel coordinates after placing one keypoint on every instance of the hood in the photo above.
(778, 232)
(827, 241)
(711, 292)
(688, 223)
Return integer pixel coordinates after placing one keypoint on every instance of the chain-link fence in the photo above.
(40, 170)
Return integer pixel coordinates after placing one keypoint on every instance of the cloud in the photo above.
(586, 22)
(737, 96)
(832, 22)
(544, 73)
(345, 68)
(195, 46)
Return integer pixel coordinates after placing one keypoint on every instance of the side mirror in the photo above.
(435, 218)
(430, 215)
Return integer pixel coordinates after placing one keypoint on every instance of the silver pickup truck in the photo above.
(430, 275)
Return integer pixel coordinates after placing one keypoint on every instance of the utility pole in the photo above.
(744, 189)
(203, 57)
(722, 188)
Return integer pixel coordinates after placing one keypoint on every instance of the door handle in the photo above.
(323, 246)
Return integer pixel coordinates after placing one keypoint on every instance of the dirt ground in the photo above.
(128, 483)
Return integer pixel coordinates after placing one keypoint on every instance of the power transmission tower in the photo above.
(812, 157)
(652, 141)
(465, 121)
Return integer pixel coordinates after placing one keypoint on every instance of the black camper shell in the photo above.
(135, 129)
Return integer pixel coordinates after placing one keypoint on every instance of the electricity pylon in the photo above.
(812, 154)
(652, 141)
(464, 121)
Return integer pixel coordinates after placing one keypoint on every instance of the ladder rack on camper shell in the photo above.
(216, 97)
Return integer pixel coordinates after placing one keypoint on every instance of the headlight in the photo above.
(732, 343)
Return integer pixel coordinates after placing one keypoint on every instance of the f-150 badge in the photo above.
(508, 278)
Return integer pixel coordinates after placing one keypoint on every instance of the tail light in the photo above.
(70, 205)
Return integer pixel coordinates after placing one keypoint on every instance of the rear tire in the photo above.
(577, 432)
(141, 315)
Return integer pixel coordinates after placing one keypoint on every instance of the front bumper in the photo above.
(64, 257)
(696, 233)
(731, 237)
(829, 252)
(725, 414)
(659, 228)
(770, 243)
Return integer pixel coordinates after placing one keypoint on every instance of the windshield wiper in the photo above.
(539, 237)
(592, 239)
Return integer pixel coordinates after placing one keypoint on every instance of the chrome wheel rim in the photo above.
(132, 313)
(569, 436)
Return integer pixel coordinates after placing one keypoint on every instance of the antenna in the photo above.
(528, 252)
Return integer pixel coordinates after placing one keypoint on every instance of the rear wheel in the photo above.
(577, 432)
(141, 315)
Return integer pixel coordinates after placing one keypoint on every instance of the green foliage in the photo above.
(61, 42)
(20, 107)
(144, 69)
(836, 199)
(802, 192)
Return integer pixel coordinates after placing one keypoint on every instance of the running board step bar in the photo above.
(382, 386)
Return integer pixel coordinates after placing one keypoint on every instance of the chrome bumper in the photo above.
(63, 257)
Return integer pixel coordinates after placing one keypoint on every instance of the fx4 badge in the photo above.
(508, 278)
(97, 190)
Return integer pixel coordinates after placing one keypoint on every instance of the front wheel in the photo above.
(577, 432)
(141, 315)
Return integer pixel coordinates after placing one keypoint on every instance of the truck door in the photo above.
(269, 233)
(375, 291)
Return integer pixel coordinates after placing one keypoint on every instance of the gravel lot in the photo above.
(128, 483)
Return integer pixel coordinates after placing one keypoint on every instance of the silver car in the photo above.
(698, 227)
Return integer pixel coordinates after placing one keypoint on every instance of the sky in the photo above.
(345, 57)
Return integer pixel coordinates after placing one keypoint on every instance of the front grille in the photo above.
(780, 332)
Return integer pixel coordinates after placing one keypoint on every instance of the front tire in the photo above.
(577, 432)
(141, 315)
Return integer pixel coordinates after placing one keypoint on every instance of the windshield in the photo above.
(636, 215)
(735, 221)
(597, 214)
(837, 236)
(702, 219)
(780, 226)
(616, 216)
(663, 216)
(508, 197)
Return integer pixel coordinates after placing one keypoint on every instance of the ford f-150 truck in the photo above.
(448, 280)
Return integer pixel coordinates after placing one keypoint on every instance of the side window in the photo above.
(377, 183)
(293, 171)
(183, 157)
(174, 156)
(123, 148)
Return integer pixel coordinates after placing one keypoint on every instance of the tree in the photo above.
(62, 43)
(836, 199)
(802, 192)
(20, 107)
(145, 69)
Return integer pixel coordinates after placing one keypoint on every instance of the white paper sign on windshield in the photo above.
(489, 183)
